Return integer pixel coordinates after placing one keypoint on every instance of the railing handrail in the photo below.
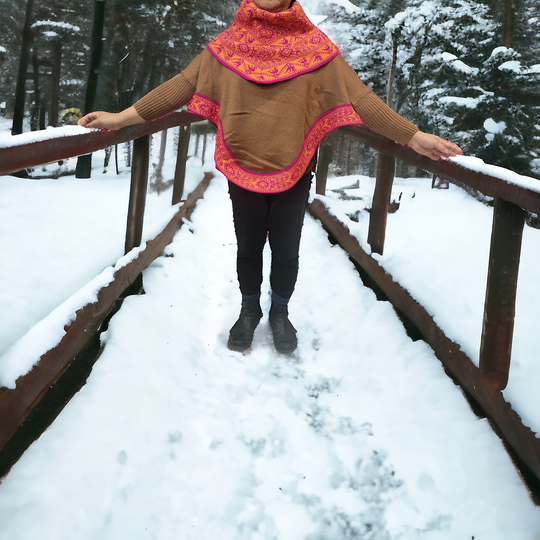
(15, 158)
(33, 154)
(491, 186)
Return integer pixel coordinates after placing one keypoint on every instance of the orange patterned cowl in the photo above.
(267, 47)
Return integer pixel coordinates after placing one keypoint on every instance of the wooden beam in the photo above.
(181, 160)
(16, 158)
(489, 185)
(137, 192)
(500, 305)
(519, 437)
(381, 201)
(16, 404)
(325, 157)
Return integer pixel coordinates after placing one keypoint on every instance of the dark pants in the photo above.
(278, 215)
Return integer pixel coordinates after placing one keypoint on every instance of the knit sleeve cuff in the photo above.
(167, 97)
(380, 117)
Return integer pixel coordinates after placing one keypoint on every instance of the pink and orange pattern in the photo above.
(270, 47)
(343, 115)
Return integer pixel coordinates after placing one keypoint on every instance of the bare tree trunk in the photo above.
(35, 114)
(349, 157)
(204, 147)
(509, 23)
(42, 115)
(55, 80)
(157, 183)
(84, 163)
(20, 92)
(108, 152)
(391, 76)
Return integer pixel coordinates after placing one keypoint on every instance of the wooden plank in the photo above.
(489, 185)
(16, 404)
(15, 158)
(519, 437)
(500, 305)
(321, 175)
(381, 201)
(137, 192)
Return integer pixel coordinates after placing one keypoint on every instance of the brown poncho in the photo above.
(275, 86)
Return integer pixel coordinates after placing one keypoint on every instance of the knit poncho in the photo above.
(275, 86)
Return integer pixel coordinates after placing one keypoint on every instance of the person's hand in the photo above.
(433, 147)
(111, 121)
(100, 120)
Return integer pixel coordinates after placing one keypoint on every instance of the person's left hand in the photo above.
(433, 147)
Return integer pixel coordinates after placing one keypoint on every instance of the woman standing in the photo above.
(275, 86)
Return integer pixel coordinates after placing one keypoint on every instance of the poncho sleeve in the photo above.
(170, 95)
(375, 113)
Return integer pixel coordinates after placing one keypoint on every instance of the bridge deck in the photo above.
(358, 434)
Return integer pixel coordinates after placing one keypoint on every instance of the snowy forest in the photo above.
(466, 70)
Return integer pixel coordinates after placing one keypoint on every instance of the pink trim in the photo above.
(277, 79)
(343, 115)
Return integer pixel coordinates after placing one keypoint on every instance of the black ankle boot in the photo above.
(284, 332)
(241, 334)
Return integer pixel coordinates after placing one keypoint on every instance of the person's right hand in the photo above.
(111, 121)
(100, 120)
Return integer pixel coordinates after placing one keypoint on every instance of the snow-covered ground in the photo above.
(359, 434)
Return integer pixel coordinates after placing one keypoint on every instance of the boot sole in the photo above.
(236, 348)
(286, 351)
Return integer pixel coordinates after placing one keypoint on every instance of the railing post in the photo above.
(499, 308)
(181, 159)
(381, 200)
(137, 193)
(323, 162)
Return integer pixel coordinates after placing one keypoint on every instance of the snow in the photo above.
(73, 82)
(358, 434)
(512, 65)
(57, 24)
(458, 64)
(499, 50)
(47, 333)
(477, 164)
(3, 49)
(7, 140)
(494, 127)
(348, 6)
(469, 102)
(312, 8)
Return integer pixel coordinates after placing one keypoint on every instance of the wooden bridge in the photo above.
(482, 385)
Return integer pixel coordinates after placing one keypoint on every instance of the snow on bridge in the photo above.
(358, 434)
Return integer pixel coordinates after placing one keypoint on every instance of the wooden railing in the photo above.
(16, 404)
(483, 384)
(511, 203)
